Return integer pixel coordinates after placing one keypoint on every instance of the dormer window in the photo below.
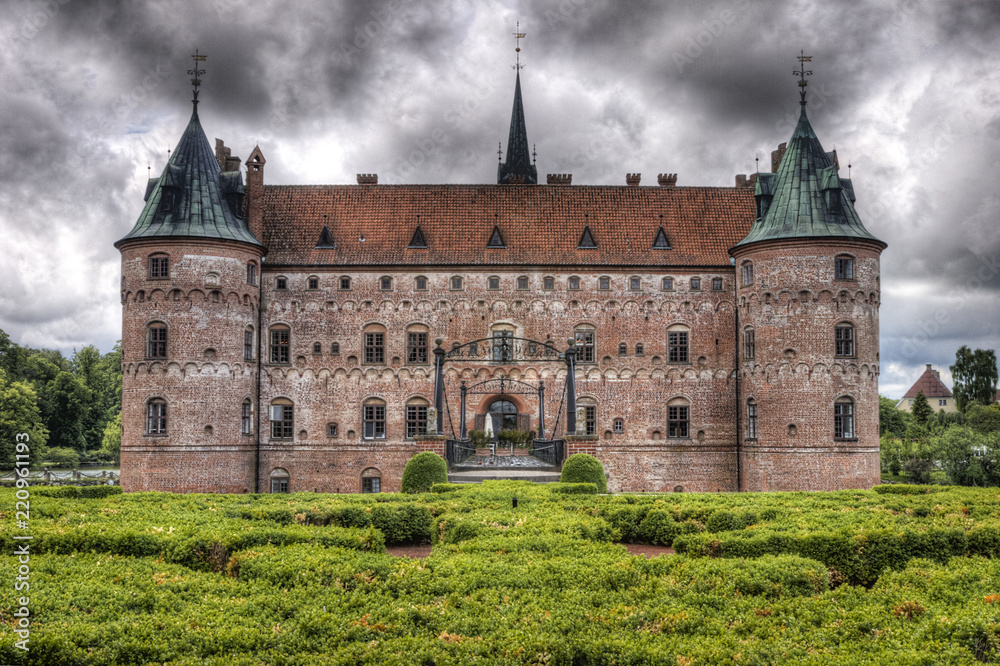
(168, 198)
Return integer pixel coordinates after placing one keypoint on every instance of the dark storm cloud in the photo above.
(421, 92)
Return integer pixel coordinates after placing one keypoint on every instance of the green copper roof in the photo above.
(193, 197)
(806, 198)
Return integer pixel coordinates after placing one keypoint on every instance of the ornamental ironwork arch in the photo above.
(501, 386)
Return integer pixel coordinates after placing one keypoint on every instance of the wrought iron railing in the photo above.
(549, 451)
(458, 451)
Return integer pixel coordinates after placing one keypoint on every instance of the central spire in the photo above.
(518, 167)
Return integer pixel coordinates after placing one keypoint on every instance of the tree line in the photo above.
(963, 445)
(70, 407)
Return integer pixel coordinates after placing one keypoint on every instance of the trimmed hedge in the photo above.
(448, 487)
(423, 471)
(76, 492)
(584, 468)
(573, 488)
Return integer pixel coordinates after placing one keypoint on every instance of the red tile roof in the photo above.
(930, 385)
(540, 224)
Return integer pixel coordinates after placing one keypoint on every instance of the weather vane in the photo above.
(518, 36)
(196, 73)
(499, 152)
(802, 73)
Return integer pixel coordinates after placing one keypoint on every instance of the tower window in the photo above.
(747, 274)
(717, 284)
(695, 284)
(159, 267)
(157, 345)
(252, 273)
(678, 421)
(667, 284)
(248, 344)
(751, 419)
(374, 421)
(280, 344)
(844, 334)
(844, 268)
(246, 417)
(639, 350)
(331, 429)
(749, 348)
(493, 283)
(421, 283)
(619, 426)
(574, 283)
(522, 282)
(584, 345)
(317, 348)
(375, 347)
(345, 283)
(623, 349)
(843, 419)
(282, 419)
(335, 349)
(156, 417)
(416, 347)
(677, 346)
(590, 419)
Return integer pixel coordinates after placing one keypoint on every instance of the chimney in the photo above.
(667, 179)
(254, 198)
(632, 179)
(367, 179)
(752, 181)
(776, 156)
(559, 179)
(741, 181)
(223, 156)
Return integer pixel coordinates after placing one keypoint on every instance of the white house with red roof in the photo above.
(938, 395)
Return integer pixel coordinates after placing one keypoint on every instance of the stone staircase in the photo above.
(479, 468)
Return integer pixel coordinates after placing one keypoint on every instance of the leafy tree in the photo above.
(984, 419)
(969, 458)
(67, 403)
(975, 376)
(12, 357)
(19, 413)
(890, 454)
(64, 457)
(111, 444)
(891, 420)
(921, 409)
(102, 375)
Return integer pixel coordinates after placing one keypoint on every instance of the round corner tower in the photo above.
(808, 337)
(190, 299)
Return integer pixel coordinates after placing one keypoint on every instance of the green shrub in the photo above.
(424, 470)
(626, 520)
(63, 455)
(584, 468)
(658, 528)
(906, 489)
(402, 523)
(573, 488)
(448, 487)
(94, 492)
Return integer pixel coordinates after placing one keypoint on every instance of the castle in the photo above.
(314, 338)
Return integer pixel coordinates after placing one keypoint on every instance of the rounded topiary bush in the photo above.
(658, 528)
(584, 468)
(423, 471)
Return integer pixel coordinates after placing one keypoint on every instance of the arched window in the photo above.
(639, 350)
(678, 419)
(248, 344)
(585, 343)
(157, 340)
(282, 420)
(345, 283)
(280, 338)
(416, 344)
(678, 344)
(246, 417)
(371, 481)
(844, 338)
(416, 417)
(317, 348)
(716, 284)
(420, 283)
(504, 415)
(747, 273)
(252, 273)
(332, 430)
(385, 283)
(548, 283)
(589, 416)
(312, 282)
(457, 284)
(843, 267)
(843, 419)
(374, 418)
(749, 347)
(493, 282)
(622, 349)
(522, 282)
(695, 284)
(159, 267)
(375, 344)
(156, 417)
(751, 419)
(335, 349)
(667, 284)
(279, 480)
(573, 283)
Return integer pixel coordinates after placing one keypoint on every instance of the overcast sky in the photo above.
(92, 92)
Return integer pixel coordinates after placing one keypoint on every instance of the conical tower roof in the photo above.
(806, 198)
(518, 155)
(193, 197)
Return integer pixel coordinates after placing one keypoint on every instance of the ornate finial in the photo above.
(848, 169)
(802, 73)
(499, 152)
(196, 73)
(534, 155)
(518, 36)
(756, 160)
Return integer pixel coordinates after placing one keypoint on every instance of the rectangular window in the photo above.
(585, 346)
(677, 346)
(668, 284)
(574, 283)
(619, 425)
(371, 484)
(590, 419)
(251, 273)
(279, 485)
(281, 421)
(416, 420)
(494, 283)
(549, 284)
(345, 283)
(634, 284)
(752, 421)
(247, 345)
(246, 421)
(158, 342)
(522, 283)
(158, 267)
(695, 284)
(279, 345)
(677, 421)
(843, 420)
(416, 347)
(747, 275)
(156, 418)
(943, 402)
(421, 284)
(748, 344)
(456, 283)
(374, 347)
(844, 268)
(385, 284)
(716, 284)
(313, 283)
(374, 422)
(604, 283)
(845, 341)
(281, 283)
(502, 350)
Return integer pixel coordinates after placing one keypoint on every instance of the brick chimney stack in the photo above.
(367, 179)
(632, 179)
(559, 179)
(667, 179)
(776, 156)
